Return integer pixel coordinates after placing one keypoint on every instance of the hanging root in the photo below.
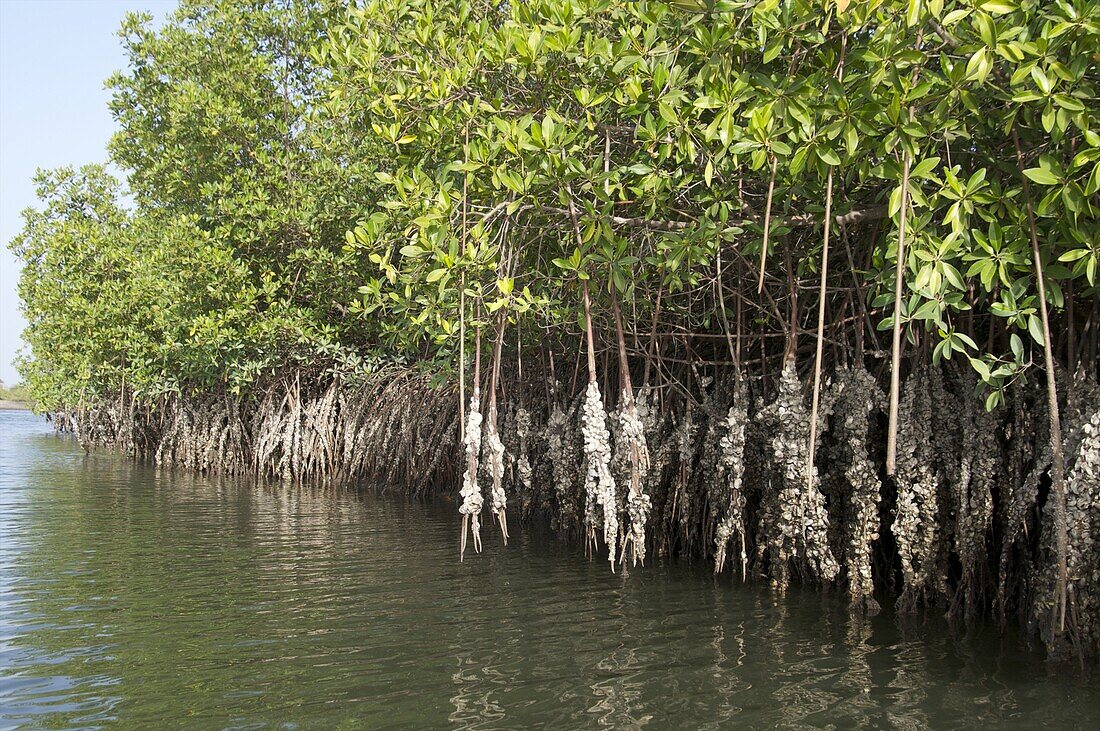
(919, 479)
(600, 497)
(967, 518)
(523, 463)
(497, 500)
(631, 442)
(857, 398)
(472, 500)
(793, 523)
(1083, 511)
(732, 470)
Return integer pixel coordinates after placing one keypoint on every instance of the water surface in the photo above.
(138, 598)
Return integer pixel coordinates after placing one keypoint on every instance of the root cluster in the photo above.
(964, 526)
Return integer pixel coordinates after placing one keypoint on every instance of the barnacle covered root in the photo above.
(794, 522)
(731, 477)
(967, 518)
(472, 500)
(523, 463)
(497, 499)
(857, 399)
(562, 455)
(1082, 447)
(599, 484)
(978, 470)
(1083, 522)
(917, 522)
(631, 444)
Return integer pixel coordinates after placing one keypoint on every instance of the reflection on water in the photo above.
(137, 598)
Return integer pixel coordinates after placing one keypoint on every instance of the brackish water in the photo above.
(139, 598)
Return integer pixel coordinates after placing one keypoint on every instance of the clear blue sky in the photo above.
(54, 57)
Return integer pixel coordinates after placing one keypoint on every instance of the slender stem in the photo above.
(1058, 468)
(895, 359)
(494, 380)
(820, 330)
(651, 348)
(462, 312)
(588, 333)
(767, 226)
(792, 330)
(722, 307)
(584, 289)
(822, 296)
(624, 364)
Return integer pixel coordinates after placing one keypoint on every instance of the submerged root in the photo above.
(497, 499)
(966, 520)
(858, 398)
(731, 474)
(631, 442)
(472, 500)
(917, 522)
(794, 523)
(600, 497)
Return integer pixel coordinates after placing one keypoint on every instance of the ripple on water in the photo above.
(132, 597)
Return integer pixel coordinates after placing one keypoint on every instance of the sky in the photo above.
(54, 57)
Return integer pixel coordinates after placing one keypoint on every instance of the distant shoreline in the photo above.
(14, 405)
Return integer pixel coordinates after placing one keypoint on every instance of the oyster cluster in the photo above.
(979, 469)
(497, 499)
(600, 497)
(1083, 525)
(857, 399)
(731, 472)
(562, 454)
(685, 473)
(794, 523)
(472, 500)
(917, 515)
(523, 428)
(631, 444)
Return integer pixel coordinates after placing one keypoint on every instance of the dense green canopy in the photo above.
(310, 185)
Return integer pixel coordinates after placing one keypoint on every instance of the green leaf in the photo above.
(993, 400)
(851, 139)
(1068, 103)
(912, 15)
(981, 368)
(1041, 79)
(1035, 327)
(1017, 346)
(967, 339)
(927, 311)
(828, 156)
(924, 168)
(998, 7)
(1041, 176)
(979, 66)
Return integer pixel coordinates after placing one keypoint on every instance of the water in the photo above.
(145, 599)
